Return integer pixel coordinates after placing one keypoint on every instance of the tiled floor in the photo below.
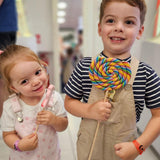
(68, 143)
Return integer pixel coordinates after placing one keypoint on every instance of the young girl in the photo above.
(120, 24)
(28, 129)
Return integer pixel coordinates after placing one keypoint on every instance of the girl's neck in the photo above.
(32, 101)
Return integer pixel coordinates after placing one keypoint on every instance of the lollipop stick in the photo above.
(46, 100)
(36, 128)
(97, 128)
(94, 140)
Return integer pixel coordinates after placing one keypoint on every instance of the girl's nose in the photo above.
(35, 82)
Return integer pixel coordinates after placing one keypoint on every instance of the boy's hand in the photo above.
(126, 151)
(100, 111)
(45, 117)
(29, 142)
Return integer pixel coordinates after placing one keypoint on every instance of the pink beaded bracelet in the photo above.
(16, 145)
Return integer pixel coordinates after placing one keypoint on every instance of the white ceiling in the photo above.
(73, 12)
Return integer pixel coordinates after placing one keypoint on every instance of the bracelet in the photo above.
(16, 145)
(139, 147)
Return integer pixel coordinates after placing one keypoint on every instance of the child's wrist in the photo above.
(88, 112)
(139, 147)
(16, 146)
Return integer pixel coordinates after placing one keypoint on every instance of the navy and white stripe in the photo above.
(146, 86)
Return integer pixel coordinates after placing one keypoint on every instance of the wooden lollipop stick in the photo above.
(94, 140)
(96, 132)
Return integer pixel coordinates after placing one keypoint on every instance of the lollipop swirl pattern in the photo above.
(109, 73)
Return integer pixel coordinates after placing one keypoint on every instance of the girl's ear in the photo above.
(13, 89)
(140, 32)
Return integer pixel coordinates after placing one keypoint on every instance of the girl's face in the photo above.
(29, 79)
(119, 28)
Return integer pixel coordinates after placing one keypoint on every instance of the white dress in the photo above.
(48, 146)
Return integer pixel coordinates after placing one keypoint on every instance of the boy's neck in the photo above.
(116, 56)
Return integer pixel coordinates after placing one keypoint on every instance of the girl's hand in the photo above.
(45, 117)
(29, 142)
(48, 118)
(100, 110)
(126, 151)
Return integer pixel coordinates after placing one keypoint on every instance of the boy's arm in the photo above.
(76, 107)
(99, 110)
(127, 150)
(152, 130)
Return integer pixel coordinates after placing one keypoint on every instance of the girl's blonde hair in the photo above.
(135, 3)
(10, 57)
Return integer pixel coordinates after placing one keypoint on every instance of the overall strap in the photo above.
(134, 67)
(15, 103)
(17, 109)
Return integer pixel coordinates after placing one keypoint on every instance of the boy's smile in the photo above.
(117, 39)
(119, 28)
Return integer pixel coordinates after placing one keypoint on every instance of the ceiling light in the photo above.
(61, 13)
(61, 20)
(62, 5)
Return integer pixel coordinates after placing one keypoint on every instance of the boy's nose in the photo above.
(119, 27)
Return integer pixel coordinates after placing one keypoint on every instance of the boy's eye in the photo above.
(110, 21)
(24, 81)
(129, 22)
(38, 72)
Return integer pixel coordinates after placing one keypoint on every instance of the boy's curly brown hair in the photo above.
(135, 3)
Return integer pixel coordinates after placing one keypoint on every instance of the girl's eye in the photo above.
(38, 72)
(110, 21)
(24, 81)
(129, 22)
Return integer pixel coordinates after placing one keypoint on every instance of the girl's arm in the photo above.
(99, 110)
(10, 138)
(60, 123)
(27, 143)
(48, 118)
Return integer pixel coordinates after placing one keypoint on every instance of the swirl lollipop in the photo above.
(108, 74)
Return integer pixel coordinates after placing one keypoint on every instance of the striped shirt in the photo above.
(146, 86)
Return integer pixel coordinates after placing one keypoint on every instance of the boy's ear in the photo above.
(99, 29)
(140, 32)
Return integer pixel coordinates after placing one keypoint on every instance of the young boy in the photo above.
(120, 24)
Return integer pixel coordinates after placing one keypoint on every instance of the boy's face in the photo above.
(29, 79)
(119, 28)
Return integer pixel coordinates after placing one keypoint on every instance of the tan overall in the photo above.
(120, 127)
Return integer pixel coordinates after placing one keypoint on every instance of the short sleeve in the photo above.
(152, 94)
(58, 105)
(8, 117)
